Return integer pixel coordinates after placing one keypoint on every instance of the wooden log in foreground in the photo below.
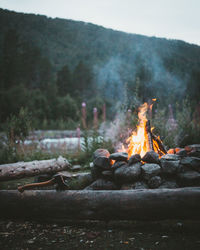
(27, 169)
(159, 204)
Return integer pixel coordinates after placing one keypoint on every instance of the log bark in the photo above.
(159, 204)
(27, 169)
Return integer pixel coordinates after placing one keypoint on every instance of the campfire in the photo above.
(142, 181)
(143, 139)
(141, 163)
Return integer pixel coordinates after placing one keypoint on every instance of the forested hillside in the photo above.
(50, 66)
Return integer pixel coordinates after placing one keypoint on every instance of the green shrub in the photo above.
(186, 131)
(92, 140)
(18, 127)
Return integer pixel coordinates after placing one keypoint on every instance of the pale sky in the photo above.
(174, 19)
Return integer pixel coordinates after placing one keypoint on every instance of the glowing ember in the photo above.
(140, 141)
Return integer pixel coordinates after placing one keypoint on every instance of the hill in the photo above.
(51, 58)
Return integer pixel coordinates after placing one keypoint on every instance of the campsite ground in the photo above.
(173, 235)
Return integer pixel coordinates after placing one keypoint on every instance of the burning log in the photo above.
(149, 136)
(28, 169)
(180, 203)
(159, 147)
(143, 140)
(160, 144)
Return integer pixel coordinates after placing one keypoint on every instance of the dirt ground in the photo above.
(169, 235)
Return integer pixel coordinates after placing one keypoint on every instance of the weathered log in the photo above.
(27, 169)
(180, 203)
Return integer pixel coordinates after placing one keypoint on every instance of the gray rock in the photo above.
(169, 167)
(169, 184)
(154, 182)
(134, 159)
(84, 179)
(76, 168)
(118, 164)
(102, 184)
(107, 174)
(190, 178)
(191, 162)
(102, 162)
(140, 185)
(194, 153)
(170, 157)
(81, 176)
(151, 157)
(195, 147)
(101, 152)
(182, 153)
(96, 172)
(128, 174)
(136, 185)
(127, 186)
(120, 156)
(150, 169)
(183, 169)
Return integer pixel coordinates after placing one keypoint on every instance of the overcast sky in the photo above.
(176, 19)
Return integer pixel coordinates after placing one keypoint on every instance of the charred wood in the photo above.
(160, 144)
(149, 135)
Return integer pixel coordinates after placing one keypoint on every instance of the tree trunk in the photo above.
(180, 203)
(27, 169)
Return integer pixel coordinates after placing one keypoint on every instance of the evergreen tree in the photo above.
(64, 83)
(82, 81)
(67, 108)
(193, 87)
(11, 59)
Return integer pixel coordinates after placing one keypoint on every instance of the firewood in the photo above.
(149, 136)
(160, 144)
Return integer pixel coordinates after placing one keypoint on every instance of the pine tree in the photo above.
(64, 83)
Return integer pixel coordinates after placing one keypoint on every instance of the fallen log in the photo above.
(27, 169)
(159, 204)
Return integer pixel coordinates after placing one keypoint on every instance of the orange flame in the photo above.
(138, 142)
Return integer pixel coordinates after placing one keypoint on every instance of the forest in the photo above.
(48, 67)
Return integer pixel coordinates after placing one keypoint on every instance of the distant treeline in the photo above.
(28, 80)
(50, 66)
